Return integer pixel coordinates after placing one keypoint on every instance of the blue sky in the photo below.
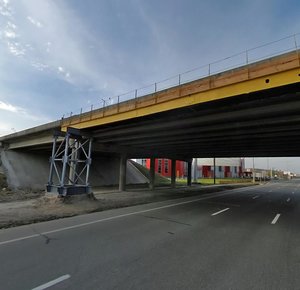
(58, 56)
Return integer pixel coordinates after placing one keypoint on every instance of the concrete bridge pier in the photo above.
(122, 176)
(152, 174)
(189, 173)
(173, 173)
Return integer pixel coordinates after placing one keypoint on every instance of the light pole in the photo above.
(214, 170)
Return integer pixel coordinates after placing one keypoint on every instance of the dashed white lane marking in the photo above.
(274, 221)
(222, 203)
(270, 190)
(255, 197)
(220, 211)
(293, 192)
(288, 200)
(113, 218)
(52, 283)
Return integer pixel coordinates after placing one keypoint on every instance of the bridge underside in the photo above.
(264, 123)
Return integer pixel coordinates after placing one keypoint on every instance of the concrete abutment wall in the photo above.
(30, 170)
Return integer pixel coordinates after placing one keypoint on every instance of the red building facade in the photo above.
(163, 167)
(208, 171)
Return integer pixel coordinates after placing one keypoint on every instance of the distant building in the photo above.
(225, 167)
(202, 167)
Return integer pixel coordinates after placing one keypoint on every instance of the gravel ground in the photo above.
(25, 208)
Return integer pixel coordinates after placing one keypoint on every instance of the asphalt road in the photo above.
(245, 238)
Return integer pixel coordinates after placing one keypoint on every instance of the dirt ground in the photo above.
(19, 208)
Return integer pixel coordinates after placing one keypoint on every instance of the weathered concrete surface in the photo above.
(25, 170)
(105, 171)
(30, 170)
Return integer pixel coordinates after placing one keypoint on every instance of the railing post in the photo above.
(80, 114)
(295, 41)
(70, 119)
(91, 113)
(296, 47)
(247, 63)
(135, 98)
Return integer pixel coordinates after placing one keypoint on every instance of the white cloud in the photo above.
(11, 25)
(39, 66)
(10, 34)
(34, 22)
(15, 49)
(8, 107)
(21, 112)
(5, 9)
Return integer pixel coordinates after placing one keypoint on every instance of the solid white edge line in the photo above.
(19, 239)
(52, 283)
(111, 218)
(220, 211)
(274, 221)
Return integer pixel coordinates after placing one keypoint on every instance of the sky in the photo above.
(58, 56)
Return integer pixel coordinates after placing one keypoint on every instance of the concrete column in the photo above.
(173, 173)
(122, 176)
(195, 169)
(152, 173)
(189, 173)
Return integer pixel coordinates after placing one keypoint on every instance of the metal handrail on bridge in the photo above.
(247, 57)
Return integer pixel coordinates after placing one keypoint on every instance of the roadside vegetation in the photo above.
(223, 180)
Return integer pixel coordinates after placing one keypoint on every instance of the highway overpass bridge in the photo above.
(252, 110)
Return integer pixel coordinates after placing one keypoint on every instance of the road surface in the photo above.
(245, 238)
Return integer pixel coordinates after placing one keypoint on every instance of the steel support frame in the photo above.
(70, 165)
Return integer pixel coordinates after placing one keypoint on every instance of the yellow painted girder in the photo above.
(98, 118)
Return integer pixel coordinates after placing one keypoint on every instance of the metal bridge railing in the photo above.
(249, 56)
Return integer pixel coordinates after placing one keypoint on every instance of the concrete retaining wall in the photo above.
(105, 171)
(28, 170)
(25, 170)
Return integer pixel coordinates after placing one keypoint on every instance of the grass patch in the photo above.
(208, 181)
